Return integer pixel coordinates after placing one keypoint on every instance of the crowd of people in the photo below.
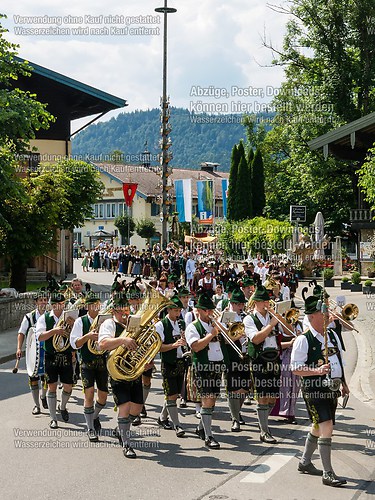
(219, 335)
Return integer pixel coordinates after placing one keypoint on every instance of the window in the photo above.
(113, 212)
(155, 209)
(96, 211)
(108, 210)
(120, 209)
(219, 211)
(101, 211)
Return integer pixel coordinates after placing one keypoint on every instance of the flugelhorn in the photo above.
(234, 332)
(92, 345)
(62, 342)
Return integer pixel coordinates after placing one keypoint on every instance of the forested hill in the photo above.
(195, 137)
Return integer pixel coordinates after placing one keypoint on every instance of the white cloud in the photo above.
(214, 42)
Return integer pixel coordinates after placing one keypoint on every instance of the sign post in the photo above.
(297, 214)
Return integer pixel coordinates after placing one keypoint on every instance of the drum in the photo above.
(34, 355)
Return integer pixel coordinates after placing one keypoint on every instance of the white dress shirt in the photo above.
(301, 348)
(251, 330)
(77, 330)
(214, 349)
(159, 327)
(41, 326)
(25, 325)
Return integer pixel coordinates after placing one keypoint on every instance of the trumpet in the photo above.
(234, 332)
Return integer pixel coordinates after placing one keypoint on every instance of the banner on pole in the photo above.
(183, 199)
(224, 188)
(205, 191)
(129, 189)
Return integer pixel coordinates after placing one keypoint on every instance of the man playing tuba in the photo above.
(92, 364)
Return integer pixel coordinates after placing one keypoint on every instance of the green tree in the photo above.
(146, 229)
(329, 66)
(49, 199)
(367, 178)
(257, 184)
(126, 226)
(235, 161)
(243, 191)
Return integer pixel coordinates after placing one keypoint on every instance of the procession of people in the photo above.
(220, 333)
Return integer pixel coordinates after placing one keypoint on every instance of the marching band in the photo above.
(233, 346)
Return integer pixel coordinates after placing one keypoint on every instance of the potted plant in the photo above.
(345, 283)
(367, 287)
(328, 277)
(356, 282)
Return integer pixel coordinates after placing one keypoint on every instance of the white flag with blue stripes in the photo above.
(183, 199)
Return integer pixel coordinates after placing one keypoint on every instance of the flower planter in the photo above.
(329, 283)
(345, 285)
(356, 288)
(368, 289)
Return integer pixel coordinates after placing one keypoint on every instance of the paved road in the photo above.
(38, 462)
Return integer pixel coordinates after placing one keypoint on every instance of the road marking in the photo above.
(262, 472)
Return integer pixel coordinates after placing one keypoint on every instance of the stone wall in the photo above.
(12, 310)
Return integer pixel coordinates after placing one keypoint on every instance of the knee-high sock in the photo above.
(206, 417)
(146, 390)
(173, 412)
(234, 403)
(44, 390)
(311, 444)
(35, 394)
(325, 447)
(64, 399)
(164, 412)
(51, 401)
(98, 409)
(262, 411)
(89, 417)
(124, 429)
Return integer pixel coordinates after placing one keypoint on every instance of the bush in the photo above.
(328, 274)
(356, 278)
(345, 279)
(368, 283)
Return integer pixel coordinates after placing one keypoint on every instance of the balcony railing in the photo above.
(362, 215)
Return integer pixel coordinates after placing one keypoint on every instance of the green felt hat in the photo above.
(41, 293)
(230, 286)
(260, 295)
(246, 281)
(238, 297)
(205, 303)
(318, 292)
(120, 300)
(177, 304)
(56, 298)
(63, 287)
(172, 278)
(92, 298)
(183, 292)
(312, 304)
(133, 292)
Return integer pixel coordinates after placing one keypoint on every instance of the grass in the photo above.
(30, 286)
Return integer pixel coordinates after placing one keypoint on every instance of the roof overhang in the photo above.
(349, 142)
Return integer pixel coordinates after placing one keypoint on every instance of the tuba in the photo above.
(128, 365)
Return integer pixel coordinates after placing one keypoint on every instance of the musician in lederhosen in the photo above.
(247, 286)
(128, 396)
(238, 375)
(230, 286)
(264, 352)
(93, 366)
(184, 295)
(58, 365)
(210, 360)
(28, 322)
(321, 382)
(171, 331)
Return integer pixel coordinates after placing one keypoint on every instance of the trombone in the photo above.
(234, 332)
(348, 313)
(283, 321)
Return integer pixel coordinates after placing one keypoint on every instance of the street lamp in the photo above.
(166, 156)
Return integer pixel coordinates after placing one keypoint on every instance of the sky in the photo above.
(216, 58)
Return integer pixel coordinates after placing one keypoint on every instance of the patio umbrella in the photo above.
(319, 235)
